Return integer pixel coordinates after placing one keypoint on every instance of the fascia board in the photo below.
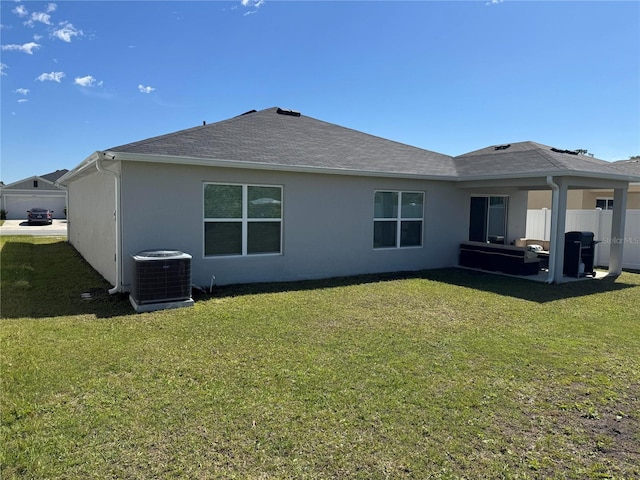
(555, 174)
(81, 167)
(207, 162)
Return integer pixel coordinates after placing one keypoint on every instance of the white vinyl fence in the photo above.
(598, 222)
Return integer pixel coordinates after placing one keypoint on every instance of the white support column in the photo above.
(617, 231)
(558, 223)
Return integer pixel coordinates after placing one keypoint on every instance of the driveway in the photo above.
(20, 227)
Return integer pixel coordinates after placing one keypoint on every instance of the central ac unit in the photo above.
(161, 279)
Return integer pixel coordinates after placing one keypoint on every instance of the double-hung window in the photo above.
(398, 219)
(242, 219)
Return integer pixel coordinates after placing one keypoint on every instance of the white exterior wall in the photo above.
(516, 215)
(91, 221)
(327, 223)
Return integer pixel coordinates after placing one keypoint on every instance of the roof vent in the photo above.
(502, 147)
(286, 111)
(570, 152)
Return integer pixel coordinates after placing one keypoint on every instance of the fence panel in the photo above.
(598, 222)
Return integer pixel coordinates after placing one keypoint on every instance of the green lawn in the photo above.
(439, 374)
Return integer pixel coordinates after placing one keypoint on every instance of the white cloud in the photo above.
(66, 32)
(22, 91)
(144, 89)
(39, 17)
(494, 2)
(51, 7)
(255, 4)
(20, 11)
(25, 48)
(88, 81)
(3, 67)
(52, 77)
(22, 100)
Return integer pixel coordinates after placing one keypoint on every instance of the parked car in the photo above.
(39, 215)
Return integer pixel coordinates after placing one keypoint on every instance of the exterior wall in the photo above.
(91, 225)
(517, 216)
(582, 199)
(542, 199)
(327, 223)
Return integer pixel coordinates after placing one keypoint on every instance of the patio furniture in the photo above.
(499, 258)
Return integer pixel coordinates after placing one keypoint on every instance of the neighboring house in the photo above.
(40, 191)
(274, 195)
(594, 197)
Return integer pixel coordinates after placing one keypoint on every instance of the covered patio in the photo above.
(532, 166)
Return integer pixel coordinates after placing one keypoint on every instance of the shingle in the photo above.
(524, 158)
(268, 137)
(631, 167)
(53, 176)
(287, 139)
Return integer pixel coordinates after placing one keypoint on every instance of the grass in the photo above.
(437, 374)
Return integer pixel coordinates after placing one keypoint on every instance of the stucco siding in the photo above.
(582, 199)
(516, 216)
(327, 223)
(91, 222)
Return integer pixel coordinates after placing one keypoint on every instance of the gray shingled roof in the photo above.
(272, 138)
(631, 167)
(288, 140)
(527, 159)
(53, 176)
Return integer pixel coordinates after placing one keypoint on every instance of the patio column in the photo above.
(617, 231)
(558, 223)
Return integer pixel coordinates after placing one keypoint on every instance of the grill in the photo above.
(579, 254)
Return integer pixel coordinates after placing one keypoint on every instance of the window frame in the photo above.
(608, 203)
(399, 219)
(244, 220)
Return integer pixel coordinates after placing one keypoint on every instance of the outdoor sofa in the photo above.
(499, 258)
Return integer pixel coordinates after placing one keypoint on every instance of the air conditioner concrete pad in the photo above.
(152, 307)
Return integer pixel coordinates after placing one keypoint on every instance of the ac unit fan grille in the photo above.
(161, 278)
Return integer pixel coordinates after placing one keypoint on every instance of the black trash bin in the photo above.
(579, 253)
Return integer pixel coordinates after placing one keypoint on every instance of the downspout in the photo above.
(554, 227)
(116, 215)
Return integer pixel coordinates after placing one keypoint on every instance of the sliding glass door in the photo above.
(488, 219)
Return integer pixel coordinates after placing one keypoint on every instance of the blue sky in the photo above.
(451, 77)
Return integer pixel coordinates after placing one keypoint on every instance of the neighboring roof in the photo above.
(288, 139)
(526, 159)
(53, 176)
(49, 178)
(629, 166)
